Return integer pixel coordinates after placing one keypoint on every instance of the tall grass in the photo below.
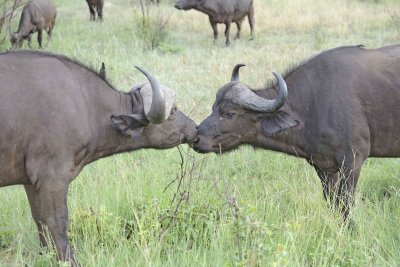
(246, 208)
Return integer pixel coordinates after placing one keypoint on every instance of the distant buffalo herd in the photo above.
(57, 115)
(39, 15)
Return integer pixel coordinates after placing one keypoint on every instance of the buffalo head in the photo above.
(187, 4)
(240, 116)
(16, 40)
(155, 121)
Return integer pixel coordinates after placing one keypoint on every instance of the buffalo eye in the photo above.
(173, 110)
(172, 113)
(230, 115)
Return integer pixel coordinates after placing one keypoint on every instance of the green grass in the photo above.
(119, 211)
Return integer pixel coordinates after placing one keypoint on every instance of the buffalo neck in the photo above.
(24, 24)
(205, 9)
(290, 141)
(105, 139)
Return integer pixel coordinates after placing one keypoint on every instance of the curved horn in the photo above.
(248, 99)
(156, 114)
(235, 72)
(283, 92)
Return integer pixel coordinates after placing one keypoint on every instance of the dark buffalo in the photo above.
(222, 11)
(58, 117)
(343, 107)
(37, 15)
(95, 5)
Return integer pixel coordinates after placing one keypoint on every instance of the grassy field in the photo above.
(246, 208)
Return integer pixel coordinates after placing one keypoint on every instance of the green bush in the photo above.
(151, 25)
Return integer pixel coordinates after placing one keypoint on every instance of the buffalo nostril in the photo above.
(196, 140)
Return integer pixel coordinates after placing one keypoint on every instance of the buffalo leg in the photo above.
(92, 12)
(239, 28)
(345, 187)
(53, 201)
(29, 40)
(215, 29)
(251, 21)
(50, 211)
(39, 38)
(36, 214)
(339, 188)
(227, 29)
(100, 11)
(50, 32)
(324, 181)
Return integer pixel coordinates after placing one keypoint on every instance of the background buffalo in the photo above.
(36, 16)
(223, 11)
(95, 6)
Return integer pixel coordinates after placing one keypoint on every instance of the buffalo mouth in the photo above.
(203, 147)
(179, 138)
(178, 7)
(181, 7)
(202, 150)
(172, 141)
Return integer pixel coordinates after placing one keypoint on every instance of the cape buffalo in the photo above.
(36, 16)
(95, 5)
(222, 11)
(342, 107)
(57, 115)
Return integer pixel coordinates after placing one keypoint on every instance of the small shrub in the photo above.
(151, 25)
(395, 20)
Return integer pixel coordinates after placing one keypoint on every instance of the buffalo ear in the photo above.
(276, 122)
(131, 125)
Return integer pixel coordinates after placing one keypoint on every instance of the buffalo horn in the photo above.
(248, 99)
(156, 113)
(235, 72)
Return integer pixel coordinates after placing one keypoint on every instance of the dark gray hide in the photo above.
(222, 11)
(56, 116)
(95, 6)
(37, 15)
(342, 107)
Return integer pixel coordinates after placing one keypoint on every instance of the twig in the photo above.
(182, 191)
(233, 203)
(173, 217)
(8, 15)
